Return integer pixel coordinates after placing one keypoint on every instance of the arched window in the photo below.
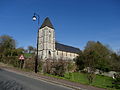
(49, 36)
(49, 53)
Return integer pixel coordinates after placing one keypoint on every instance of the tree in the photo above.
(31, 49)
(100, 54)
(90, 63)
(94, 56)
(8, 51)
(101, 49)
(7, 43)
(17, 52)
(79, 61)
(115, 62)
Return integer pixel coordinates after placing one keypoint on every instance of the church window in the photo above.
(49, 36)
(49, 53)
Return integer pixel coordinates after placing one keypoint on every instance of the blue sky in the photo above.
(75, 21)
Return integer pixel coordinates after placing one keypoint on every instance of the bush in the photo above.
(13, 60)
(40, 63)
(30, 64)
(71, 66)
(59, 68)
(46, 66)
(116, 82)
(54, 67)
(90, 77)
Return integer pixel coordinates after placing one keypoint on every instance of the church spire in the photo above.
(48, 23)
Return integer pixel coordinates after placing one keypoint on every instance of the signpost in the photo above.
(21, 58)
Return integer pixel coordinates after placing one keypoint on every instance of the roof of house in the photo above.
(66, 48)
(48, 23)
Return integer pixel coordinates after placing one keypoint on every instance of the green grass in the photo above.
(77, 77)
(99, 81)
(102, 81)
(27, 55)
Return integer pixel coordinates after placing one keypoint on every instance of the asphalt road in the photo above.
(13, 81)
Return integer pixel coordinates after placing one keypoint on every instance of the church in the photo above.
(48, 48)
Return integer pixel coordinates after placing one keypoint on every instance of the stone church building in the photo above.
(48, 48)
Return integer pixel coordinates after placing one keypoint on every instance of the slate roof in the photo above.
(62, 47)
(48, 23)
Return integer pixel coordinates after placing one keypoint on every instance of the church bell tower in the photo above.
(46, 41)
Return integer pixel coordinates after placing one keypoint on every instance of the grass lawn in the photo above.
(27, 55)
(99, 81)
(102, 81)
(77, 77)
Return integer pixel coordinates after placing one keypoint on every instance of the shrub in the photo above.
(54, 67)
(116, 82)
(71, 66)
(46, 66)
(40, 63)
(90, 77)
(13, 60)
(30, 63)
(59, 68)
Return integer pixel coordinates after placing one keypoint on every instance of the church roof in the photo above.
(62, 47)
(48, 23)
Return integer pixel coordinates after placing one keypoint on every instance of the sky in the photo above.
(75, 21)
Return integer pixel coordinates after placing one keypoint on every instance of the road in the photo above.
(13, 81)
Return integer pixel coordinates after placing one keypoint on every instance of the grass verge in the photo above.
(99, 81)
